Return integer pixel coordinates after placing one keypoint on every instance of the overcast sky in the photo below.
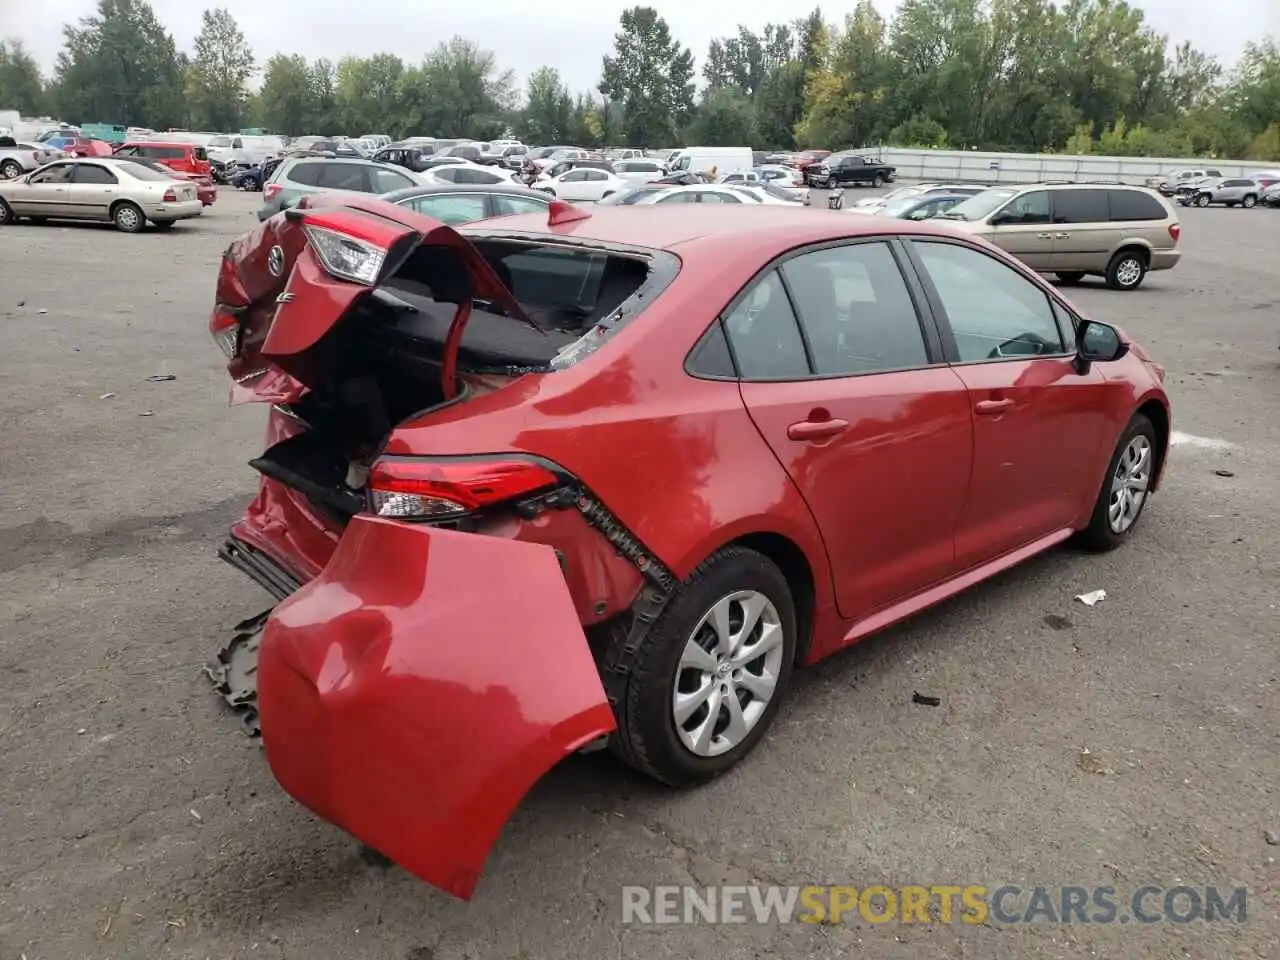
(526, 34)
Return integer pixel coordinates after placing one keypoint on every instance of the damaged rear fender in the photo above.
(416, 690)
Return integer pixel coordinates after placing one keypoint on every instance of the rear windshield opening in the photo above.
(564, 291)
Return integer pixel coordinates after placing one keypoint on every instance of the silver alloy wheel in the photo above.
(1128, 271)
(1129, 484)
(728, 673)
(127, 218)
(10, 170)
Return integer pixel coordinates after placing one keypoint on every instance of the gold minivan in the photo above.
(1113, 231)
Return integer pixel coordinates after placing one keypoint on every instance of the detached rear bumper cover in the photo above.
(416, 690)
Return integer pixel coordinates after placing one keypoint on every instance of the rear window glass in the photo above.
(307, 174)
(1127, 205)
(164, 153)
(140, 172)
(575, 296)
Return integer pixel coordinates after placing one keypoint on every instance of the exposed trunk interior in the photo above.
(382, 362)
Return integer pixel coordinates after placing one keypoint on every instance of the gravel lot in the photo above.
(137, 821)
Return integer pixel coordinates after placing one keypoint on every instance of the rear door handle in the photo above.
(816, 429)
(1044, 236)
(1062, 236)
(991, 407)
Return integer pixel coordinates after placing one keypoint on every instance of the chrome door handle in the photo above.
(1062, 236)
(1044, 236)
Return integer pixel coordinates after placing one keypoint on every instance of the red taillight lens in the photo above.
(271, 190)
(443, 487)
(1175, 231)
(171, 196)
(225, 329)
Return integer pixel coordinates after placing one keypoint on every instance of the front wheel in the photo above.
(6, 213)
(877, 181)
(711, 671)
(1124, 489)
(1249, 201)
(1203, 200)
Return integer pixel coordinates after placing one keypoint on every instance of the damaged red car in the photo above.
(549, 483)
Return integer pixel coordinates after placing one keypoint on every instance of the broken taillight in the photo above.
(225, 328)
(346, 257)
(438, 488)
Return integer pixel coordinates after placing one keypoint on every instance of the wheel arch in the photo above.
(788, 556)
(1155, 411)
(1134, 246)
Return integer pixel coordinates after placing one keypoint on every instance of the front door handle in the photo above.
(816, 429)
(1044, 236)
(992, 407)
(1062, 236)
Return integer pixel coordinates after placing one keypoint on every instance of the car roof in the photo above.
(427, 190)
(363, 161)
(758, 231)
(157, 143)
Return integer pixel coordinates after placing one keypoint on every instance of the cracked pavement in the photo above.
(137, 821)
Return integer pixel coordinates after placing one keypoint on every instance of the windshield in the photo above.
(980, 206)
(220, 142)
(632, 196)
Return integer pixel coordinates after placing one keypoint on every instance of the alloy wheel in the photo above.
(727, 673)
(1128, 272)
(1129, 484)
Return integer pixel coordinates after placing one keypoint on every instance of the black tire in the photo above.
(1120, 273)
(877, 181)
(1249, 201)
(1070, 278)
(164, 224)
(6, 213)
(646, 738)
(1203, 200)
(1099, 536)
(10, 170)
(127, 216)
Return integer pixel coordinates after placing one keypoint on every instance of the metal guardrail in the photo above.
(1012, 168)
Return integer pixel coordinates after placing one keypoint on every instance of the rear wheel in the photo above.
(1203, 200)
(128, 217)
(6, 213)
(710, 672)
(1249, 200)
(10, 170)
(1126, 270)
(1124, 488)
(877, 181)
(1070, 278)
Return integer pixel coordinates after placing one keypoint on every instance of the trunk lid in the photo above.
(289, 281)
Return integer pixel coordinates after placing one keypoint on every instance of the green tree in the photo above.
(323, 118)
(120, 65)
(652, 74)
(285, 102)
(368, 91)
(21, 86)
(726, 117)
(219, 72)
(457, 91)
(548, 110)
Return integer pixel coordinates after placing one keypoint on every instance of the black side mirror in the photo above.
(1098, 343)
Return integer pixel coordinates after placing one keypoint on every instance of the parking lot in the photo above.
(1133, 742)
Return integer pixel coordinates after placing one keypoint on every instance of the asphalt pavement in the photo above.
(1128, 743)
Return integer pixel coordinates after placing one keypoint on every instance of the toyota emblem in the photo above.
(275, 261)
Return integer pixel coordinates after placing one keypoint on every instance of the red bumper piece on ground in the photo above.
(416, 690)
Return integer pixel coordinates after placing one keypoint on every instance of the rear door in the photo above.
(843, 376)
(1083, 234)
(1038, 422)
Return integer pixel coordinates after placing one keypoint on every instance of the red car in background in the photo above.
(540, 484)
(186, 159)
(84, 147)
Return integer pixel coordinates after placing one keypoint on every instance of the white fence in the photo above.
(972, 166)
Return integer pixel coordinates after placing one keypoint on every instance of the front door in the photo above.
(847, 387)
(1036, 419)
(1023, 228)
(45, 194)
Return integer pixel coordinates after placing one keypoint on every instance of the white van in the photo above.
(243, 148)
(703, 159)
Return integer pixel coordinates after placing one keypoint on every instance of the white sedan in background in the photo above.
(763, 193)
(582, 183)
(466, 172)
(636, 171)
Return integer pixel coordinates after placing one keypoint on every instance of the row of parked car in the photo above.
(1207, 187)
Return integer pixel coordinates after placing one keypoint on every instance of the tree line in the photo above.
(1082, 76)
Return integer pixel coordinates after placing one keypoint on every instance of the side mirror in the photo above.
(1098, 343)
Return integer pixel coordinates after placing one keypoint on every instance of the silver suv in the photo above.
(1227, 192)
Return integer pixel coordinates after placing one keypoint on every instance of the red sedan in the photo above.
(545, 483)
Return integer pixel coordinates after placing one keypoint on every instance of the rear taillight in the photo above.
(438, 488)
(171, 196)
(346, 257)
(1175, 231)
(225, 328)
(271, 190)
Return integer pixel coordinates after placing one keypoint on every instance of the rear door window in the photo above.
(765, 335)
(92, 173)
(508, 206)
(451, 208)
(383, 180)
(306, 174)
(1080, 206)
(342, 176)
(1131, 205)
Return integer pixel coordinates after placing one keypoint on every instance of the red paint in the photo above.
(896, 490)
(418, 687)
(188, 162)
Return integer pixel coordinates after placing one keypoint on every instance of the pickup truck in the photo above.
(18, 158)
(843, 170)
